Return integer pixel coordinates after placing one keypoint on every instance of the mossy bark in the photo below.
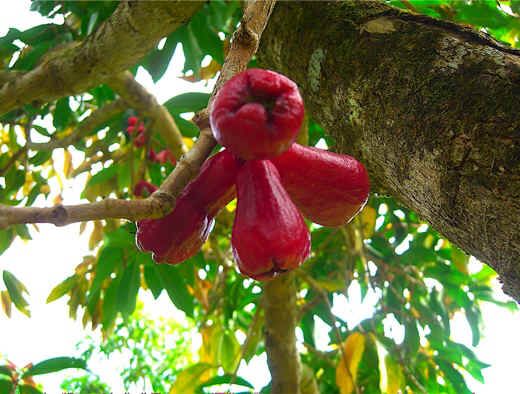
(131, 32)
(431, 108)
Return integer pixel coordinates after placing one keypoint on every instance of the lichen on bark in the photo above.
(431, 108)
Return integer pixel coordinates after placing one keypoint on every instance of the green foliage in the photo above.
(416, 280)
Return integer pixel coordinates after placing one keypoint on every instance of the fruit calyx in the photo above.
(257, 114)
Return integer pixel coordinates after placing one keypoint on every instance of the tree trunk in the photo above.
(431, 108)
(279, 301)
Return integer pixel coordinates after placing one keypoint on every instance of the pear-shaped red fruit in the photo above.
(180, 234)
(329, 188)
(257, 114)
(177, 236)
(269, 234)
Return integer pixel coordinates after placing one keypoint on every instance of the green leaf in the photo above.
(54, 365)
(61, 289)
(107, 261)
(187, 128)
(15, 289)
(175, 284)
(62, 114)
(153, 280)
(128, 289)
(6, 238)
(229, 351)
(41, 157)
(412, 341)
(5, 370)
(6, 385)
(27, 389)
(225, 379)
(110, 303)
(187, 102)
(102, 176)
(124, 175)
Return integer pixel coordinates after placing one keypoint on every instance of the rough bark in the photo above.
(131, 32)
(431, 108)
(279, 302)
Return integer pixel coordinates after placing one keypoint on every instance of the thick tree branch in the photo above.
(161, 202)
(146, 104)
(431, 108)
(86, 126)
(131, 32)
(279, 301)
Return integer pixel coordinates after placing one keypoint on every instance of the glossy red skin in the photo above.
(214, 187)
(144, 188)
(269, 234)
(241, 122)
(132, 120)
(329, 188)
(165, 156)
(179, 235)
(140, 129)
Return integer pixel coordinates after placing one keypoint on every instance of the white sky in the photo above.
(54, 252)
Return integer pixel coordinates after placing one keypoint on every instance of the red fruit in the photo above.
(214, 187)
(179, 235)
(140, 129)
(130, 130)
(140, 140)
(329, 188)
(257, 114)
(165, 156)
(132, 120)
(152, 155)
(144, 189)
(269, 234)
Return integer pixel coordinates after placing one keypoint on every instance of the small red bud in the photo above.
(132, 120)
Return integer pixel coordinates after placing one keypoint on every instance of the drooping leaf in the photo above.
(55, 364)
(346, 370)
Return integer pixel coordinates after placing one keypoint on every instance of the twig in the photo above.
(244, 44)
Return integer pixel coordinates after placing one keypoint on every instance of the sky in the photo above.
(54, 252)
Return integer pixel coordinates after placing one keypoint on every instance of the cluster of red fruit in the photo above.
(256, 117)
(134, 126)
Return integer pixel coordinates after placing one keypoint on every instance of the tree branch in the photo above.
(146, 104)
(279, 301)
(132, 30)
(86, 126)
(245, 42)
(430, 108)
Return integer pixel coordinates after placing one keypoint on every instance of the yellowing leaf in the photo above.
(346, 371)
(96, 236)
(67, 163)
(190, 378)
(188, 142)
(394, 376)
(368, 221)
(6, 302)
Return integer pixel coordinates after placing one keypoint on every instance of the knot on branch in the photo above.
(59, 215)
